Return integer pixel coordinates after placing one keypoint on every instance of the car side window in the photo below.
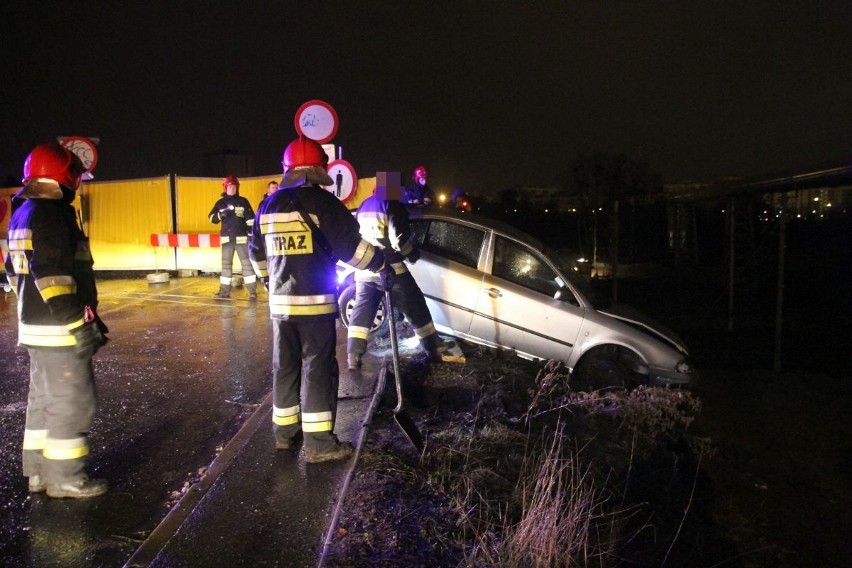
(521, 265)
(449, 240)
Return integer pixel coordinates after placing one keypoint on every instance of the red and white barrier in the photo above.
(194, 240)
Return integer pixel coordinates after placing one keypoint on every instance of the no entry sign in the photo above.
(316, 120)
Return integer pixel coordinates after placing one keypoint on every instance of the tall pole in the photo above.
(732, 242)
(615, 245)
(779, 298)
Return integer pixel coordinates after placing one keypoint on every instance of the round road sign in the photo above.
(344, 182)
(316, 120)
(85, 149)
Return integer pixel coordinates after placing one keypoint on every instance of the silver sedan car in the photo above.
(493, 285)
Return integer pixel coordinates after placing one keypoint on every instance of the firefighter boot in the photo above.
(329, 451)
(224, 291)
(37, 484)
(434, 348)
(354, 361)
(252, 290)
(354, 364)
(80, 489)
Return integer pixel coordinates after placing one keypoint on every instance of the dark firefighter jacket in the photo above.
(49, 266)
(384, 224)
(298, 263)
(237, 217)
(418, 195)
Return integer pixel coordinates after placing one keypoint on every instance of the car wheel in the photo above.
(346, 301)
(608, 367)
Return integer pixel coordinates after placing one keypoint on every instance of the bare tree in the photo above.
(597, 183)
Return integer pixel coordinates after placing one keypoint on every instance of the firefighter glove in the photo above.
(392, 256)
(386, 275)
(414, 256)
(89, 339)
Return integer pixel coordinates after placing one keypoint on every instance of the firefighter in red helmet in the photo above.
(236, 215)
(302, 230)
(50, 269)
(418, 193)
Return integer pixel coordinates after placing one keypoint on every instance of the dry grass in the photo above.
(519, 471)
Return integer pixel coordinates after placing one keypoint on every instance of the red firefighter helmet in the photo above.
(420, 172)
(52, 161)
(230, 180)
(304, 152)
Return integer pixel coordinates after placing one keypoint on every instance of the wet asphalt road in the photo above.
(181, 375)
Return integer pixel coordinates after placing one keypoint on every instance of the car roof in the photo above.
(488, 222)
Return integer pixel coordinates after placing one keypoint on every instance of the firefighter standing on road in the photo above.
(384, 224)
(301, 231)
(237, 217)
(50, 269)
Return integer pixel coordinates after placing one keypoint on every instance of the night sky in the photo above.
(487, 95)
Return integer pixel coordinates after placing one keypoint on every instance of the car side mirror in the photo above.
(564, 295)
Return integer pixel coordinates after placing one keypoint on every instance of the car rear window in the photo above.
(449, 240)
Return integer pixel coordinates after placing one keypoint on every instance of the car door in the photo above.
(447, 270)
(516, 308)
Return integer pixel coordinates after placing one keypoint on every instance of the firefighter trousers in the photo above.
(60, 408)
(406, 297)
(305, 379)
(228, 263)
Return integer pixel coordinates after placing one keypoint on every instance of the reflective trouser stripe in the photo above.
(34, 439)
(65, 449)
(45, 335)
(285, 416)
(425, 331)
(358, 332)
(317, 421)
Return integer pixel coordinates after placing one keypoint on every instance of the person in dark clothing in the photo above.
(235, 214)
(302, 231)
(49, 267)
(271, 188)
(419, 194)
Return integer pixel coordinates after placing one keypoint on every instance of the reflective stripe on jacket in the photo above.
(299, 263)
(384, 224)
(50, 268)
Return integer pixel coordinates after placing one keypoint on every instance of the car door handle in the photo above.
(494, 293)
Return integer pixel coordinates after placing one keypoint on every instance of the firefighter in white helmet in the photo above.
(300, 233)
(237, 217)
(50, 269)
